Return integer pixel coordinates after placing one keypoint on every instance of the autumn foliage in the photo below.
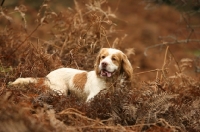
(47, 40)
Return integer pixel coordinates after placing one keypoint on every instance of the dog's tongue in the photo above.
(106, 73)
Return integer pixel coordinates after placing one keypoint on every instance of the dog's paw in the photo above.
(21, 81)
(10, 83)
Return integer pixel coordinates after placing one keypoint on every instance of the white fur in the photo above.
(108, 59)
(61, 80)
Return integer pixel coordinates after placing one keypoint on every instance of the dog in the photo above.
(110, 65)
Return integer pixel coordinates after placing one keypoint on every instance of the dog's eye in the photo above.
(103, 57)
(114, 59)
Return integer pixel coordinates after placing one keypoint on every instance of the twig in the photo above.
(78, 114)
(164, 63)
(2, 2)
(179, 69)
(46, 42)
(171, 43)
(150, 71)
(189, 26)
(25, 39)
(117, 6)
(74, 59)
(104, 34)
(71, 110)
(63, 46)
(78, 10)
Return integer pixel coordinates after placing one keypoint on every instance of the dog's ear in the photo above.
(127, 67)
(97, 62)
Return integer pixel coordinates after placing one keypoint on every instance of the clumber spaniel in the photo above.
(110, 65)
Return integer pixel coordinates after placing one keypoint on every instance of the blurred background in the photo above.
(142, 26)
(160, 37)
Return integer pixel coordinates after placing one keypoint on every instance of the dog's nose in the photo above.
(104, 64)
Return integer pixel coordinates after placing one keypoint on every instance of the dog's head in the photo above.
(112, 62)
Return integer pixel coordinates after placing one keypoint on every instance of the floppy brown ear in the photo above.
(127, 67)
(97, 61)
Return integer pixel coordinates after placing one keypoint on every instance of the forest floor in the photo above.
(161, 42)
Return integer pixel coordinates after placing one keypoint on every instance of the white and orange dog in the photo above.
(110, 65)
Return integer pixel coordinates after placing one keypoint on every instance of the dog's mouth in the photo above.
(106, 73)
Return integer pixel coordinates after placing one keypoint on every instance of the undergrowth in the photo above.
(170, 103)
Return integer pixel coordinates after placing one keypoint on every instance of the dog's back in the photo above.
(61, 80)
(81, 82)
(58, 80)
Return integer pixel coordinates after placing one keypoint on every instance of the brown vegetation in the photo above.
(168, 101)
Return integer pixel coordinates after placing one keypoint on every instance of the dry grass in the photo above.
(170, 103)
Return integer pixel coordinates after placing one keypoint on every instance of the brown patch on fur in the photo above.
(41, 81)
(117, 59)
(127, 67)
(102, 52)
(80, 80)
(41, 84)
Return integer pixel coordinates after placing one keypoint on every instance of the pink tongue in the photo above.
(106, 73)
